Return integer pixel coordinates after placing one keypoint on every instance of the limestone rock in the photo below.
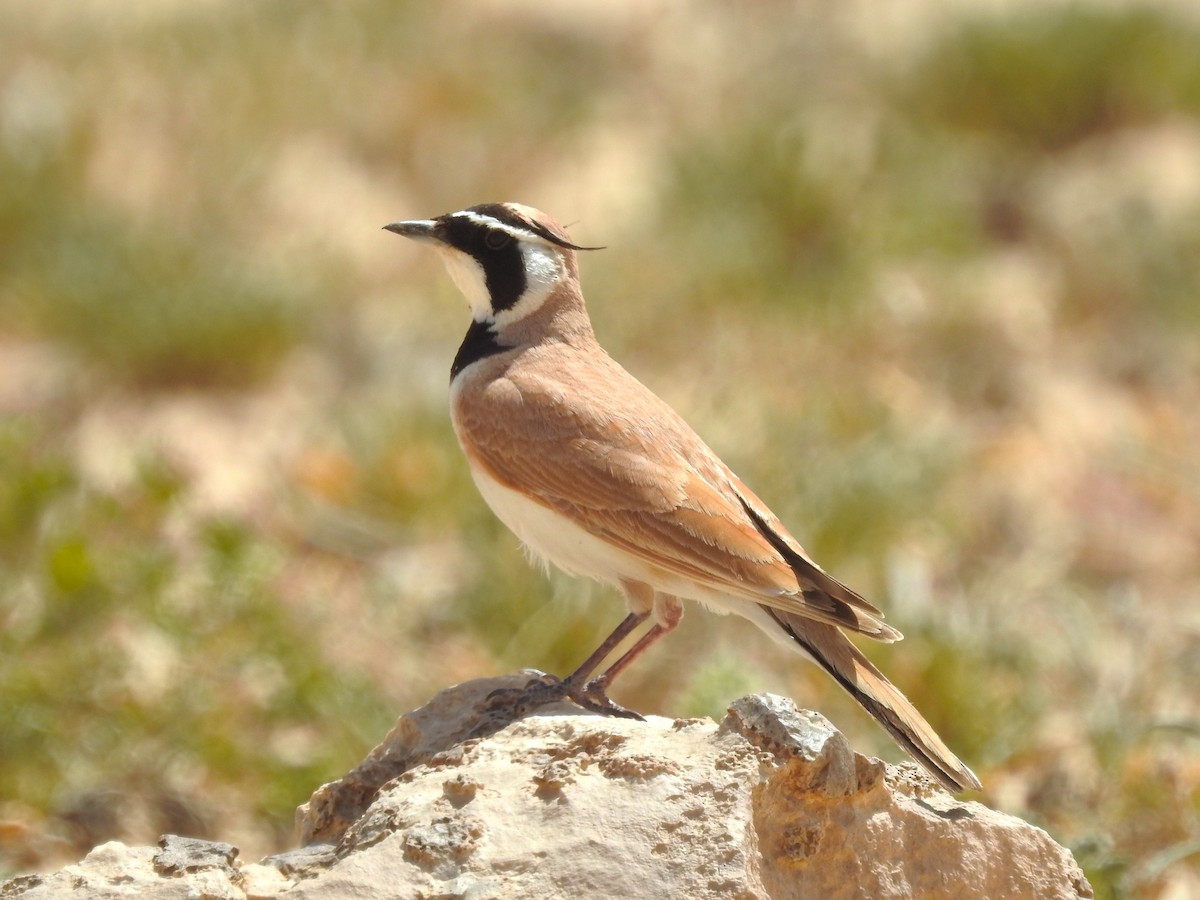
(457, 802)
(178, 868)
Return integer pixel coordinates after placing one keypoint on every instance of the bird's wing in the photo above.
(627, 469)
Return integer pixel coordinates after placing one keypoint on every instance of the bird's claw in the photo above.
(546, 689)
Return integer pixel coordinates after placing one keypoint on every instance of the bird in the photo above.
(596, 474)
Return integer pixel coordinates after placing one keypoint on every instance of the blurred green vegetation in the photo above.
(931, 290)
(128, 659)
(1044, 80)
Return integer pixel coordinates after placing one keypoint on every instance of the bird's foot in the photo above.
(593, 695)
(546, 689)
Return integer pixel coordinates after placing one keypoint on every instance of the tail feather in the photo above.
(834, 652)
(820, 590)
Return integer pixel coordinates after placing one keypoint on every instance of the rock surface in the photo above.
(770, 803)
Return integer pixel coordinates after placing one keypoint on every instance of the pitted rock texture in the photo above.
(770, 803)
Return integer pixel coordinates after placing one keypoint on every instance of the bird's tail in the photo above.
(834, 652)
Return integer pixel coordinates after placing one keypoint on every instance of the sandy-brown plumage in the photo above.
(659, 493)
(597, 474)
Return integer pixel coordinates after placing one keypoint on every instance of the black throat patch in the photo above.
(480, 342)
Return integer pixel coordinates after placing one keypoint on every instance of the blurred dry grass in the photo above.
(927, 279)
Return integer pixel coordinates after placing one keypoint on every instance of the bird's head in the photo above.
(506, 258)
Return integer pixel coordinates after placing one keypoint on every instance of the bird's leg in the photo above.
(549, 688)
(622, 631)
(669, 612)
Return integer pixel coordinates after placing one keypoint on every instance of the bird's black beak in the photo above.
(417, 229)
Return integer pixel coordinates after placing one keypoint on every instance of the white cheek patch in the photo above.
(544, 270)
(469, 278)
(543, 267)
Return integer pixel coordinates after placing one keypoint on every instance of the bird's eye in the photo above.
(497, 240)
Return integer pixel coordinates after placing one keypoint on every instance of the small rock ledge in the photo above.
(770, 803)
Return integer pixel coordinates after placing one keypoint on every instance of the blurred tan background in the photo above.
(927, 275)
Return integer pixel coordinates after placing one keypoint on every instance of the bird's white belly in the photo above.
(552, 537)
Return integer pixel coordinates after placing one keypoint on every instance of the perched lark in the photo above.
(596, 474)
